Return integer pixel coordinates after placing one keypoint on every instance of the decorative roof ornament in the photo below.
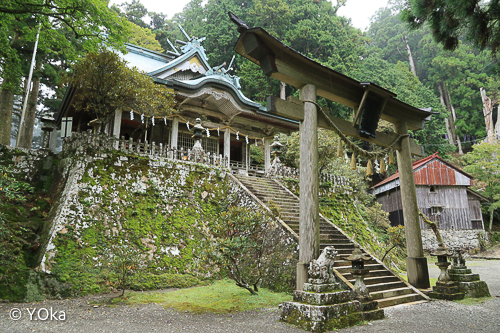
(192, 43)
(221, 71)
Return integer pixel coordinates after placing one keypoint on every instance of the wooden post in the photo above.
(247, 158)
(267, 154)
(416, 263)
(174, 134)
(309, 185)
(117, 124)
(227, 144)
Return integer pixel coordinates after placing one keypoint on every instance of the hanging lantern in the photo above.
(153, 120)
(131, 114)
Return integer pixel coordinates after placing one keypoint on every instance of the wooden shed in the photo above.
(443, 194)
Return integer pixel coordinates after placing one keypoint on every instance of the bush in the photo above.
(248, 245)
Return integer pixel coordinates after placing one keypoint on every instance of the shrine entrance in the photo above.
(370, 104)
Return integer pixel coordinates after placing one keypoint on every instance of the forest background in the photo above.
(461, 86)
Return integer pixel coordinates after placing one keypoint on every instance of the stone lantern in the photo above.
(442, 255)
(445, 287)
(48, 125)
(198, 134)
(358, 271)
(276, 150)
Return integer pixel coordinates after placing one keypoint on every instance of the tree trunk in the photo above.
(491, 219)
(449, 129)
(497, 126)
(6, 106)
(29, 117)
(410, 57)
(488, 104)
(445, 97)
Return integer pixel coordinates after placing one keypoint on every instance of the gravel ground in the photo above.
(81, 316)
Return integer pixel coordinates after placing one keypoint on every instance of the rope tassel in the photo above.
(340, 152)
(353, 162)
(382, 165)
(369, 168)
(391, 157)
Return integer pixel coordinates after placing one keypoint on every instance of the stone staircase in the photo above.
(385, 287)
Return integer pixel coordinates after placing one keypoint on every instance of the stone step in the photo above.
(381, 272)
(391, 301)
(346, 269)
(391, 293)
(406, 304)
(378, 279)
(385, 286)
(341, 263)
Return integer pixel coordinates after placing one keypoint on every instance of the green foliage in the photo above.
(449, 19)
(104, 83)
(484, 164)
(221, 297)
(256, 155)
(246, 244)
(91, 22)
(121, 261)
(148, 281)
(396, 239)
(145, 38)
(22, 213)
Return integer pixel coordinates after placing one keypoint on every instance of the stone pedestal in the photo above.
(446, 290)
(321, 306)
(469, 283)
(320, 312)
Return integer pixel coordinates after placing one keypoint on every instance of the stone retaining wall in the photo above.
(469, 240)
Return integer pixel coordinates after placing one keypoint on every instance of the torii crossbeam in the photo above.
(370, 103)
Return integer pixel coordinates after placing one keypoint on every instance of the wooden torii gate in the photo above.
(370, 103)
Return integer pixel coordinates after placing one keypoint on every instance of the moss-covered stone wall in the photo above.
(160, 207)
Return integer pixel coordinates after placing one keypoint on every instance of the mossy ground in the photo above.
(474, 301)
(223, 296)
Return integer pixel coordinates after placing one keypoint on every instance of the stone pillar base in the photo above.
(418, 272)
(301, 275)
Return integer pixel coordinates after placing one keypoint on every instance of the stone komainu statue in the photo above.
(321, 269)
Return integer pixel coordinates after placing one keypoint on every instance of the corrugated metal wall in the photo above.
(438, 173)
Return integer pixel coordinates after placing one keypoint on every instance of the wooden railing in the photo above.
(80, 141)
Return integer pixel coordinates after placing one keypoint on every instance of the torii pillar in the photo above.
(416, 263)
(309, 186)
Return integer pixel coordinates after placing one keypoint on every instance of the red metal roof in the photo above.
(436, 172)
